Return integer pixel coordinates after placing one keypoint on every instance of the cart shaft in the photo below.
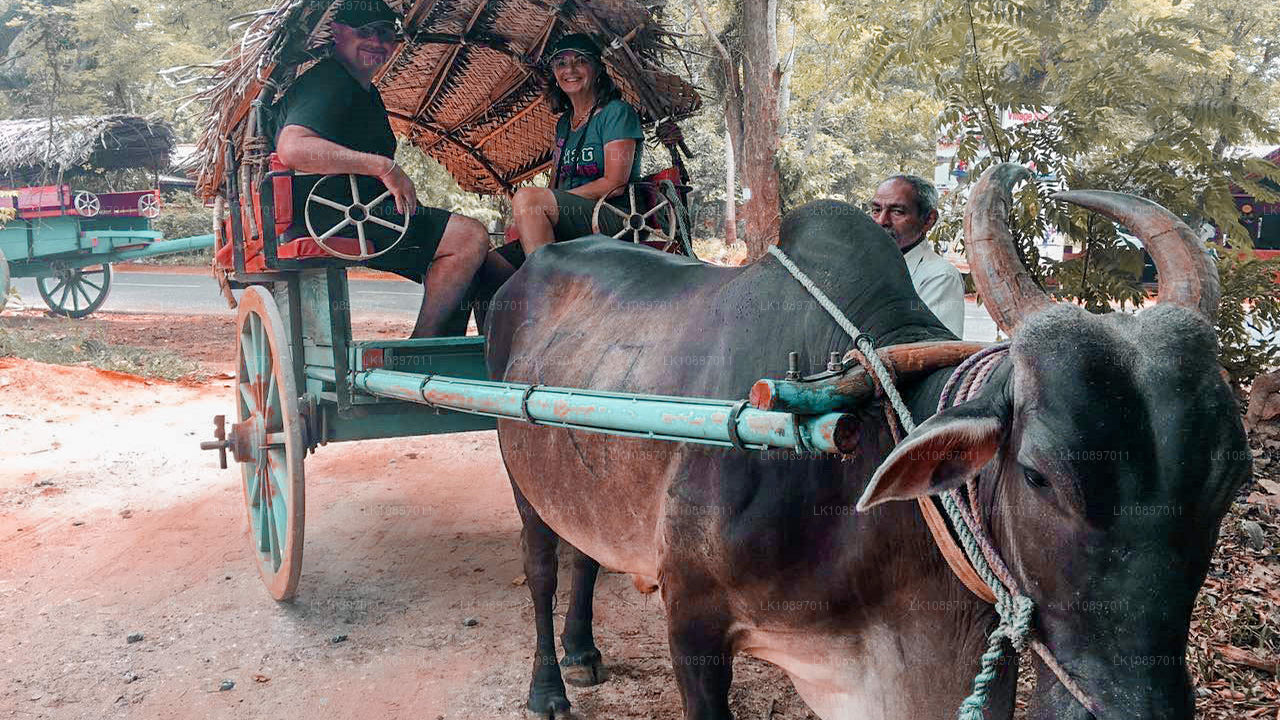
(706, 421)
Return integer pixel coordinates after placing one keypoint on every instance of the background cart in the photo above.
(68, 238)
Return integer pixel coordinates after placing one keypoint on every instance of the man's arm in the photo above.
(302, 150)
(943, 294)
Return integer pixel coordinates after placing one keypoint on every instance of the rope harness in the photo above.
(1015, 609)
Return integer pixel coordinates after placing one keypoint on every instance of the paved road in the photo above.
(188, 294)
(185, 294)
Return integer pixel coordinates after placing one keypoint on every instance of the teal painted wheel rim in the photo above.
(75, 292)
(268, 423)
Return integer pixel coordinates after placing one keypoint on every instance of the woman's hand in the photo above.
(618, 158)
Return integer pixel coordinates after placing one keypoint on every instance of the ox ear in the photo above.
(942, 453)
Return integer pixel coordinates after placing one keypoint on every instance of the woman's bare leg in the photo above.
(535, 214)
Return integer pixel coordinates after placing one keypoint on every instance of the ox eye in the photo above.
(1034, 479)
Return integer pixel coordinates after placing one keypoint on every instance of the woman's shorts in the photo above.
(574, 215)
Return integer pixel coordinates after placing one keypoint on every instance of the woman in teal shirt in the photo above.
(599, 143)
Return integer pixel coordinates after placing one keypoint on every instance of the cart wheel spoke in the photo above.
(355, 189)
(84, 280)
(655, 209)
(57, 287)
(387, 223)
(364, 242)
(66, 289)
(335, 229)
(329, 203)
(374, 202)
(615, 210)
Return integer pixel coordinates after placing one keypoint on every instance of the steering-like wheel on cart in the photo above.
(356, 213)
(149, 206)
(87, 204)
(636, 222)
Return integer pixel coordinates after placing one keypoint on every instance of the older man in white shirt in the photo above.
(906, 206)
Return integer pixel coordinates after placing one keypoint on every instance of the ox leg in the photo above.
(697, 633)
(547, 698)
(581, 664)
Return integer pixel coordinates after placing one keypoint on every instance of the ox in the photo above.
(1107, 447)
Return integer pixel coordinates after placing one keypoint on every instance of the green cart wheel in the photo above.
(267, 440)
(4, 281)
(75, 292)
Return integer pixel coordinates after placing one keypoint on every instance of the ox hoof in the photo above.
(547, 703)
(583, 669)
(556, 709)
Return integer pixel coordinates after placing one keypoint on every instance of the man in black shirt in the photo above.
(334, 122)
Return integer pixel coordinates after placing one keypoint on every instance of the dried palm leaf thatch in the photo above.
(464, 87)
(38, 150)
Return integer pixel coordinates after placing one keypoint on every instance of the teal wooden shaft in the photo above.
(164, 247)
(699, 420)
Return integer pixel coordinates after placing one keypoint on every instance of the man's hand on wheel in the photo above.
(401, 188)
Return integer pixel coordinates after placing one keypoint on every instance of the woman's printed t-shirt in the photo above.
(615, 121)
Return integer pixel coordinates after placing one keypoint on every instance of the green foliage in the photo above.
(437, 188)
(183, 215)
(1249, 315)
(77, 57)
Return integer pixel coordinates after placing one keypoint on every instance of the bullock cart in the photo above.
(67, 238)
(464, 88)
(303, 381)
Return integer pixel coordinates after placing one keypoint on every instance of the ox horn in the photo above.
(1187, 274)
(1008, 290)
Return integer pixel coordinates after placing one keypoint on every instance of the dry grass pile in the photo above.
(72, 345)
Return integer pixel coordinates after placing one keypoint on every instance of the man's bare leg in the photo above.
(535, 214)
(462, 249)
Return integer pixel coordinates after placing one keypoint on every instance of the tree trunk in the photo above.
(730, 192)
(761, 78)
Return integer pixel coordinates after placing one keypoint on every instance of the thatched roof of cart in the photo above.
(464, 87)
(36, 149)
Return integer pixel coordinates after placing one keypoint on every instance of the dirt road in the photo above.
(113, 522)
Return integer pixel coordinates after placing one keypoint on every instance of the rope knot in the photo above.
(1015, 620)
(669, 133)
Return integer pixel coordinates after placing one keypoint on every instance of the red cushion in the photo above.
(305, 248)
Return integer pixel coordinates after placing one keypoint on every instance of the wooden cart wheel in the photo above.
(149, 206)
(75, 292)
(635, 223)
(267, 441)
(87, 204)
(4, 281)
(356, 213)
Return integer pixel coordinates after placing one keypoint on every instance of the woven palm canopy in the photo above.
(37, 150)
(464, 87)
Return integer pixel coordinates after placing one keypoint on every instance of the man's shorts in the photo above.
(410, 258)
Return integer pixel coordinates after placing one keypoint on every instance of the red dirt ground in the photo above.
(113, 522)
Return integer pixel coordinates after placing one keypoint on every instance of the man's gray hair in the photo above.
(926, 193)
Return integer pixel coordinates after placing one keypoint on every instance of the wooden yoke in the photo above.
(844, 389)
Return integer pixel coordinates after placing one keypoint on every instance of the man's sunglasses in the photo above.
(381, 31)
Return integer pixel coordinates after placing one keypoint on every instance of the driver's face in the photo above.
(365, 49)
